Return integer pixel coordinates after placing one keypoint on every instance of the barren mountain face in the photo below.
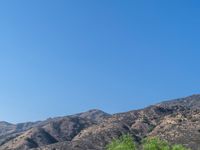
(177, 121)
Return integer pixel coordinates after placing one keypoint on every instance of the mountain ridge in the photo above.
(177, 121)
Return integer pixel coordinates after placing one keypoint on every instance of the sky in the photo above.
(68, 56)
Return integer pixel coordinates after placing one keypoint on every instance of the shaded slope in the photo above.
(177, 121)
(52, 130)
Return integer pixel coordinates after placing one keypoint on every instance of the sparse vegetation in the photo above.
(155, 144)
(179, 147)
(126, 142)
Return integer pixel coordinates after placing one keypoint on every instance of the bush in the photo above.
(155, 144)
(179, 147)
(125, 142)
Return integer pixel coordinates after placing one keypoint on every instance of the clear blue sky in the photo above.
(60, 57)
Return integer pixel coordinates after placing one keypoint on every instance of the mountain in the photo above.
(177, 121)
(53, 130)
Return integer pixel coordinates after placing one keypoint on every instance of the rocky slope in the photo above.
(177, 121)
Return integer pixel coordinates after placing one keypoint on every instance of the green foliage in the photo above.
(178, 147)
(155, 144)
(151, 127)
(125, 142)
(145, 120)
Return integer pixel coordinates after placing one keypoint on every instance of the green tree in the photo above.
(155, 144)
(125, 142)
(178, 147)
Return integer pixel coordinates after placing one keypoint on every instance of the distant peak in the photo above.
(95, 110)
(6, 123)
(193, 96)
(192, 101)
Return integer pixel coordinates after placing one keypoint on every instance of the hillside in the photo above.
(177, 121)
